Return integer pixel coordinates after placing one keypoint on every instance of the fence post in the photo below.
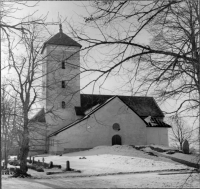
(43, 161)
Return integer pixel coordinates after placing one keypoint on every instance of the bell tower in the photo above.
(61, 80)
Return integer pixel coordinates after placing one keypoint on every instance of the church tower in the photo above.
(61, 80)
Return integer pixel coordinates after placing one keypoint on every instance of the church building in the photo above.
(71, 121)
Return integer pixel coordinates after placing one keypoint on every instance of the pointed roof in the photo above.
(143, 105)
(61, 39)
(154, 122)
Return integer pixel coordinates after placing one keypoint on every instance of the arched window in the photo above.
(116, 127)
(116, 140)
(63, 104)
(63, 64)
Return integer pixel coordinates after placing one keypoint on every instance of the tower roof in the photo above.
(61, 39)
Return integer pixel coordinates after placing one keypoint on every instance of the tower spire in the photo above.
(60, 28)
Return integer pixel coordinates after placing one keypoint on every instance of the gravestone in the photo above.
(186, 148)
(51, 164)
(68, 166)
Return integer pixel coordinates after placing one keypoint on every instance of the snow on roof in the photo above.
(154, 122)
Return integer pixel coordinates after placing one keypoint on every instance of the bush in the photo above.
(14, 162)
(39, 169)
(36, 168)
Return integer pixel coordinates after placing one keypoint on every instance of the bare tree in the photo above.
(26, 66)
(8, 9)
(166, 66)
(7, 115)
(181, 132)
(22, 29)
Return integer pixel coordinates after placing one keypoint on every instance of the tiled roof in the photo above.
(61, 39)
(153, 122)
(100, 100)
(143, 106)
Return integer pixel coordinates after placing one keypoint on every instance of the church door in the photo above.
(116, 140)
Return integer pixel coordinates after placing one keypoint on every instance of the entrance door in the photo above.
(116, 140)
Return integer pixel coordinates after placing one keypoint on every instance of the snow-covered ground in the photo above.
(113, 159)
(106, 166)
(187, 157)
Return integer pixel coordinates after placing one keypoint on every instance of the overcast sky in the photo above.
(73, 11)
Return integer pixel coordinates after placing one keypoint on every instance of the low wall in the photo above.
(188, 163)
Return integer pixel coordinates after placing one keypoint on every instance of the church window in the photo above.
(63, 64)
(116, 127)
(63, 84)
(63, 104)
(116, 140)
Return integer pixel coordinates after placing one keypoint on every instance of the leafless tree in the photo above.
(25, 64)
(15, 33)
(181, 131)
(7, 116)
(166, 66)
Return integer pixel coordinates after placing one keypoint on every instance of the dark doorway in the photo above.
(116, 140)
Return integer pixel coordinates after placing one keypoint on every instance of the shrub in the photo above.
(36, 168)
(39, 169)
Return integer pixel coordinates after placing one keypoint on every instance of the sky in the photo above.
(74, 12)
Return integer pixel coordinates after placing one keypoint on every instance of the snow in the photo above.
(107, 167)
(162, 147)
(113, 159)
(186, 157)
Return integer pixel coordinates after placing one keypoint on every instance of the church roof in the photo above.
(142, 105)
(95, 100)
(154, 122)
(61, 39)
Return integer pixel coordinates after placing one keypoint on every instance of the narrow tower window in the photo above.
(63, 84)
(63, 104)
(63, 64)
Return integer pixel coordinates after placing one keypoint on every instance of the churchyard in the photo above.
(110, 166)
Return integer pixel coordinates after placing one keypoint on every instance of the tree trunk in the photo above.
(24, 152)
(5, 153)
(181, 145)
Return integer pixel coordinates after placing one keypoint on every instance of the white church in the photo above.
(71, 121)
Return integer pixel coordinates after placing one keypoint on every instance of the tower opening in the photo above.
(63, 64)
(63, 105)
(63, 84)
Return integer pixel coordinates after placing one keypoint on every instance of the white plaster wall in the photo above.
(54, 94)
(97, 129)
(157, 135)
